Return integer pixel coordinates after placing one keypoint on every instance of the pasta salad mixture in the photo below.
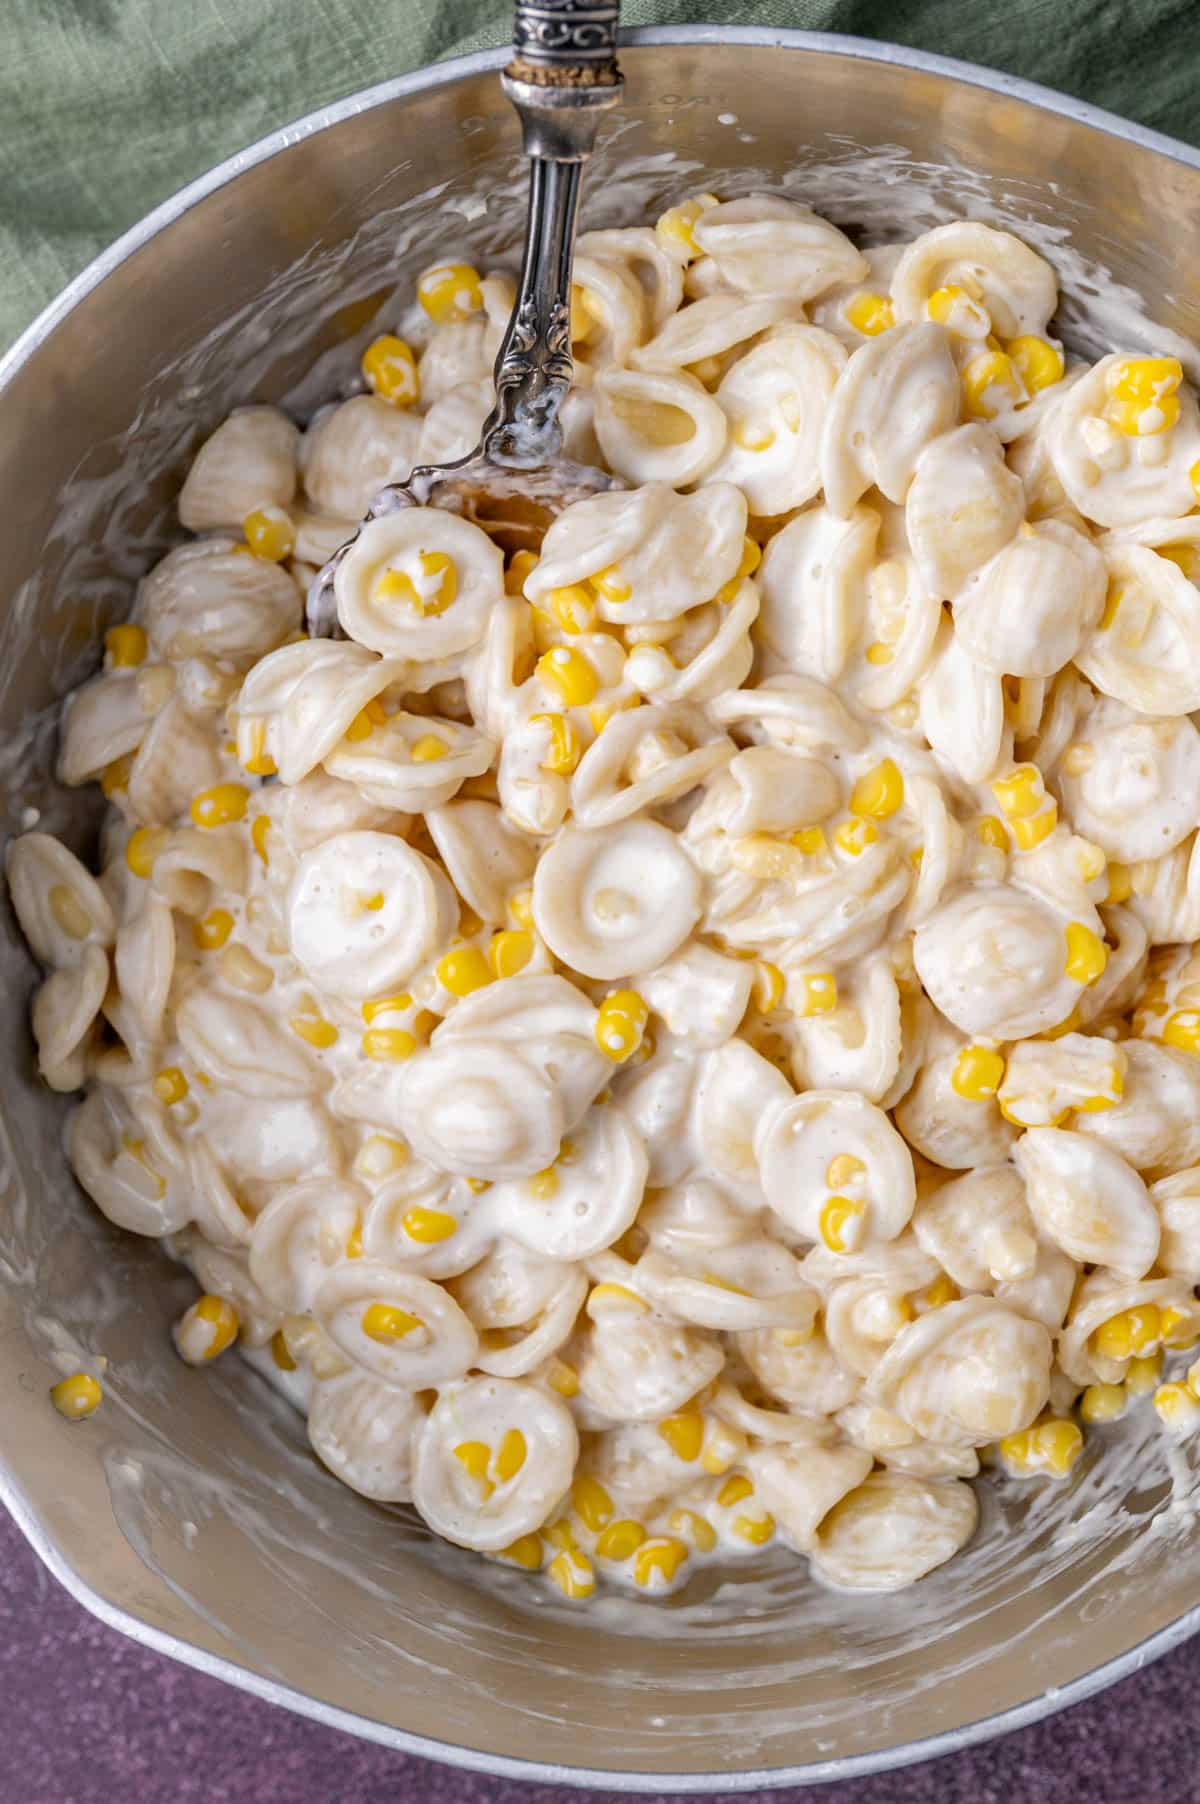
(689, 1039)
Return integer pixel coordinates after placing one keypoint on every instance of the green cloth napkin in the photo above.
(108, 106)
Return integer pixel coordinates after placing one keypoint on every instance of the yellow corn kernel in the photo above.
(510, 1455)
(438, 590)
(809, 840)
(388, 1043)
(280, 1353)
(379, 1156)
(1143, 1373)
(428, 749)
(560, 1534)
(270, 534)
(748, 563)
(943, 1290)
(125, 646)
(818, 993)
(566, 747)
(855, 834)
(76, 1397)
(573, 608)
(755, 1529)
(520, 907)
(591, 1503)
(663, 1555)
(573, 1573)
(684, 1434)
(219, 1330)
(723, 1447)
(1039, 363)
(879, 653)
(449, 291)
(474, 1457)
(218, 806)
(1178, 1330)
(386, 1005)
(1144, 379)
(69, 912)
(477, 1186)
(676, 226)
(1176, 1407)
(693, 1528)
(1130, 1332)
(990, 832)
(519, 567)
(1182, 1030)
(562, 1378)
(315, 1030)
(143, 847)
(843, 1169)
(871, 314)
(568, 672)
(1087, 954)
(1102, 1403)
(835, 1219)
(1120, 884)
(735, 1490)
(390, 368)
(1056, 1445)
(384, 1322)
(1090, 860)
(990, 385)
(978, 1073)
(1194, 478)
(170, 1086)
(1030, 833)
(768, 986)
(463, 970)
(115, 776)
(942, 302)
(354, 1240)
(620, 1540)
(212, 932)
(620, 1024)
(611, 585)
(543, 1185)
(1021, 793)
(879, 793)
(428, 1226)
(509, 952)
(616, 1296)
(525, 1551)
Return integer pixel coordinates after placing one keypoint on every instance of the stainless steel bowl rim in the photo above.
(929, 1748)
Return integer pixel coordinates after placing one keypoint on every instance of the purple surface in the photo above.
(87, 1717)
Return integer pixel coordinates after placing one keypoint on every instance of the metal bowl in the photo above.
(188, 1512)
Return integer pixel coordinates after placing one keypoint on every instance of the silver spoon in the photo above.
(563, 76)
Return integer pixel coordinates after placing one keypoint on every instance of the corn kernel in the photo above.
(1182, 1030)
(990, 832)
(449, 292)
(1120, 884)
(591, 1503)
(871, 314)
(206, 1329)
(519, 568)
(879, 653)
(438, 588)
(684, 1434)
(379, 1156)
(170, 1086)
(566, 747)
(818, 993)
(1056, 1445)
(664, 1555)
(768, 986)
(1130, 1332)
(735, 1490)
(843, 1169)
(1143, 1373)
(510, 1455)
(143, 847)
(125, 646)
(693, 1528)
(1087, 954)
(809, 840)
(543, 1185)
(615, 1296)
(855, 835)
(1030, 833)
(430, 748)
(520, 907)
(525, 1551)
(477, 1186)
(315, 1030)
(573, 1573)
(879, 793)
(115, 776)
(611, 585)
(562, 1378)
(723, 1447)
(1178, 1330)
(943, 1290)
(978, 1073)
(280, 1352)
(573, 608)
(386, 1005)
(1039, 363)
(569, 673)
(620, 1540)
(1021, 793)
(676, 226)
(1102, 1403)
(943, 302)
(220, 805)
(270, 534)
(388, 1043)
(463, 970)
(385, 1322)
(837, 1223)
(990, 385)
(1176, 1407)
(755, 1529)
(76, 1397)
(474, 1457)
(620, 1024)
(428, 1226)
(509, 951)
(390, 368)
(212, 932)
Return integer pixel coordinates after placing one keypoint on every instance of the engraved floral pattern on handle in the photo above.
(565, 33)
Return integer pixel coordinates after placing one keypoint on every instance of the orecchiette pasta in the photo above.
(686, 1039)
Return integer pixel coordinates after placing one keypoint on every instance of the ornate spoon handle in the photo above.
(562, 77)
